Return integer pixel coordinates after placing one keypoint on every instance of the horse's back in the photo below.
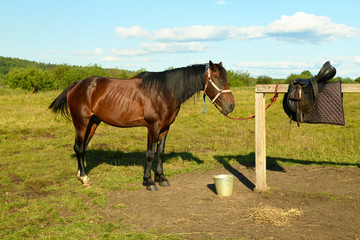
(117, 102)
(93, 87)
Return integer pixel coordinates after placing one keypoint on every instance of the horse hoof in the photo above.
(164, 184)
(86, 181)
(87, 185)
(152, 188)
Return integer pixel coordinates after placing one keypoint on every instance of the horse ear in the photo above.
(211, 64)
(220, 63)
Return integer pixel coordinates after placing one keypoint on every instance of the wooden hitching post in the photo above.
(260, 142)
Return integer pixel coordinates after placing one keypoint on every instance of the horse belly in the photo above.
(120, 107)
(121, 118)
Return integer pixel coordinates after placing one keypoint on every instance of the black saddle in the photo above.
(302, 93)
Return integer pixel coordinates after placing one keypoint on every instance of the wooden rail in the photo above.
(260, 127)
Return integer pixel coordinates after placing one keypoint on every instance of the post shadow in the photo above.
(244, 180)
(271, 164)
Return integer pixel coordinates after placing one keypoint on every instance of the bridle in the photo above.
(220, 91)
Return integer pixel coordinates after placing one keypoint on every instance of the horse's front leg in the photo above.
(159, 175)
(150, 155)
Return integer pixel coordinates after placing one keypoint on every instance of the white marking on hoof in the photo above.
(78, 174)
(85, 181)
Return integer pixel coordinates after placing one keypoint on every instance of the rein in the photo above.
(273, 99)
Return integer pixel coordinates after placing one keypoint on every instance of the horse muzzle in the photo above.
(228, 108)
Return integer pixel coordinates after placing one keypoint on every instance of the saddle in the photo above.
(303, 93)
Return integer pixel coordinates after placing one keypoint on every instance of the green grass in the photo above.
(41, 197)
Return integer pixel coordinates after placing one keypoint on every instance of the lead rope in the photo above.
(273, 99)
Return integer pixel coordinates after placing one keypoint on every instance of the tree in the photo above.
(76, 73)
(25, 78)
(304, 74)
(58, 74)
(117, 73)
(263, 79)
(238, 79)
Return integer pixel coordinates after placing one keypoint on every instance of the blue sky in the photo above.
(273, 38)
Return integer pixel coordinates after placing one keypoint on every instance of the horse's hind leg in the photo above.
(79, 151)
(159, 175)
(150, 155)
(82, 139)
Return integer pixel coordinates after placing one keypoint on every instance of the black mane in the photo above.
(182, 83)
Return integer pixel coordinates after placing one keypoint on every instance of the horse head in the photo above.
(217, 88)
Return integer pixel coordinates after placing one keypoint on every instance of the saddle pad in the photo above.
(328, 108)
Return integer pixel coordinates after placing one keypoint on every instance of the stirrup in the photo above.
(299, 117)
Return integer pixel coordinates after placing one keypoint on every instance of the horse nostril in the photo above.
(231, 107)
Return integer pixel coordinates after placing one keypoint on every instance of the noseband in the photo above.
(220, 91)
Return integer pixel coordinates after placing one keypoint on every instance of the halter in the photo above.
(220, 91)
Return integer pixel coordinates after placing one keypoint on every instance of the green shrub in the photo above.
(304, 74)
(123, 74)
(264, 80)
(239, 79)
(343, 80)
(74, 74)
(25, 78)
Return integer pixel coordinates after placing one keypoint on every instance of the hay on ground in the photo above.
(276, 216)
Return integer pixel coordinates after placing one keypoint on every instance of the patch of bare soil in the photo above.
(304, 202)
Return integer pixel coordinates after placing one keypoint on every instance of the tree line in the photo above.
(18, 73)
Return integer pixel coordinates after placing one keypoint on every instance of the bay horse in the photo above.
(150, 99)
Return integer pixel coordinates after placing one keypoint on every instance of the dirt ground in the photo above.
(327, 200)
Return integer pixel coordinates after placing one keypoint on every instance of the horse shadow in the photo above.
(272, 164)
(96, 157)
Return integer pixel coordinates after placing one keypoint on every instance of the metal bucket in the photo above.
(224, 184)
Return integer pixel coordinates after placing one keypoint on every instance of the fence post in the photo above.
(260, 142)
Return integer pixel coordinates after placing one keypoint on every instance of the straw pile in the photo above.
(276, 216)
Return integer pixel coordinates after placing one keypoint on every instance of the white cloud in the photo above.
(133, 32)
(192, 33)
(346, 66)
(98, 51)
(348, 60)
(174, 47)
(221, 2)
(111, 59)
(82, 53)
(279, 69)
(178, 34)
(298, 28)
(129, 52)
(302, 27)
(161, 47)
(246, 33)
(275, 65)
(53, 51)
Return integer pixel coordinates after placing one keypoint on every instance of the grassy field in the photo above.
(41, 197)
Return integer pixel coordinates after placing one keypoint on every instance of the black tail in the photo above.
(60, 104)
